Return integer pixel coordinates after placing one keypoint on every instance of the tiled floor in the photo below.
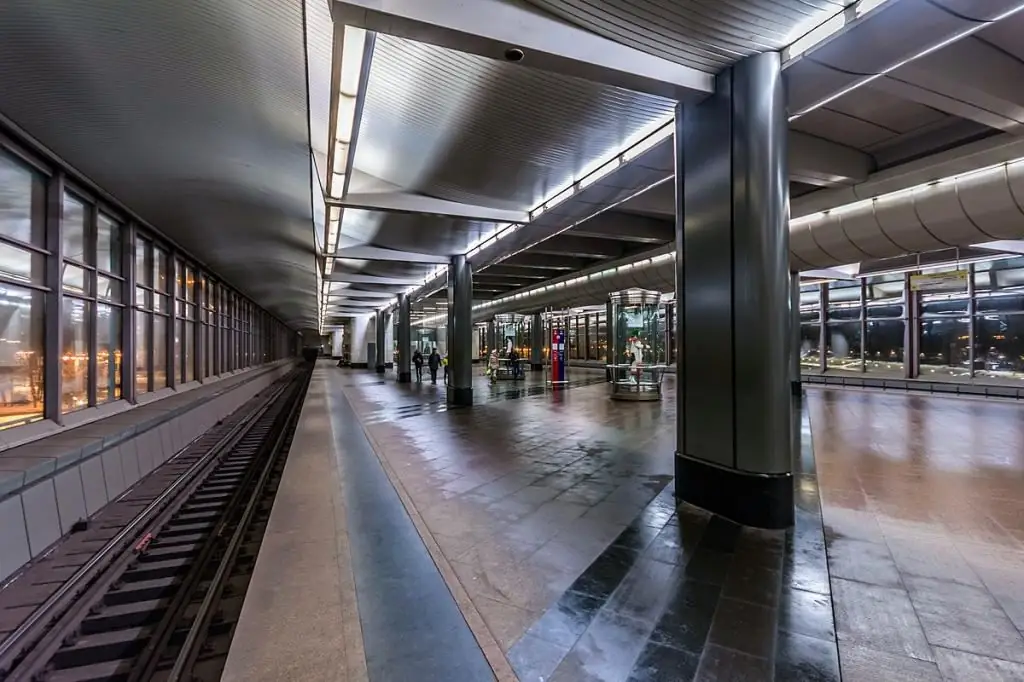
(550, 518)
(923, 502)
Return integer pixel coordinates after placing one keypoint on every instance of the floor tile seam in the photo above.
(485, 638)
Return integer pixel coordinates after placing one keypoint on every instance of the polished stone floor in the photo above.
(549, 517)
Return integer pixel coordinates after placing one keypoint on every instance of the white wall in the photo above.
(389, 339)
(362, 333)
(337, 343)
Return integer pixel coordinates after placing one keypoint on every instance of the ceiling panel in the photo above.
(884, 110)
(471, 129)
(193, 114)
(704, 34)
(841, 128)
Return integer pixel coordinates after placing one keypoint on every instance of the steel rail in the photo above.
(24, 638)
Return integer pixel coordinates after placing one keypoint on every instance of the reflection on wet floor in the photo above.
(437, 402)
(684, 595)
(908, 567)
(923, 503)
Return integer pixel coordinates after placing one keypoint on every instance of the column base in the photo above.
(380, 369)
(759, 500)
(460, 396)
(405, 377)
(536, 367)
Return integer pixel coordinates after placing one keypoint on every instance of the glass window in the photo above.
(142, 342)
(21, 351)
(593, 347)
(944, 347)
(190, 351)
(21, 265)
(76, 279)
(602, 337)
(22, 202)
(75, 354)
(108, 245)
(883, 347)
(108, 353)
(73, 229)
(108, 289)
(178, 330)
(999, 346)
(190, 284)
(159, 352)
(810, 346)
(160, 269)
(143, 273)
(843, 351)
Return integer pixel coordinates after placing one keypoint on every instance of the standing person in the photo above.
(513, 362)
(492, 366)
(444, 362)
(433, 362)
(417, 361)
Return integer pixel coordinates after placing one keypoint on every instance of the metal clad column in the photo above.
(404, 340)
(537, 343)
(460, 332)
(733, 447)
(794, 348)
(609, 336)
(492, 340)
(379, 321)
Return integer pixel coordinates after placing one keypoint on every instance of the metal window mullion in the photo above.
(53, 309)
(128, 368)
(172, 320)
(971, 325)
(89, 242)
(863, 325)
(823, 327)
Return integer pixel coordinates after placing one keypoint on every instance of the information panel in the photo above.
(557, 356)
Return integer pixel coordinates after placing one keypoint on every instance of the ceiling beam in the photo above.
(626, 227)
(501, 270)
(542, 261)
(366, 252)
(360, 293)
(815, 161)
(405, 202)
(491, 27)
(353, 278)
(584, 247)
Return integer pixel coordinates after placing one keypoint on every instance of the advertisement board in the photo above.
(557, 356)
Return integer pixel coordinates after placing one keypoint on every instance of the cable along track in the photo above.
(152, 587)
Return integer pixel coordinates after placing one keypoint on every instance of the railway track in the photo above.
(151, 587)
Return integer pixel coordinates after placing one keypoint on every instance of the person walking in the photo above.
(417, 361)
(433, 362)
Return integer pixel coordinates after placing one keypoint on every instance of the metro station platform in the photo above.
(535, 536)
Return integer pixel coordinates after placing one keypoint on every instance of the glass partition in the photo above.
(638, 345)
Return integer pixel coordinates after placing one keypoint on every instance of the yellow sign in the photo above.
(954, 280)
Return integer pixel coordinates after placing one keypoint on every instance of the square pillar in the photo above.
(404, 340)
(537, 343)
(380, 340)
(460, 331)
(733, 447)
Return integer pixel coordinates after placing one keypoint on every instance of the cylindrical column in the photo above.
(338, 344)
(794, 355)
(733, 447)
(460, 331)
(492, 337)
(380, 340)
(404, 340)
(537, 342)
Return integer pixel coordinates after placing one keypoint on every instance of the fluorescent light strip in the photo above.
(923, 53)
(900, 193)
